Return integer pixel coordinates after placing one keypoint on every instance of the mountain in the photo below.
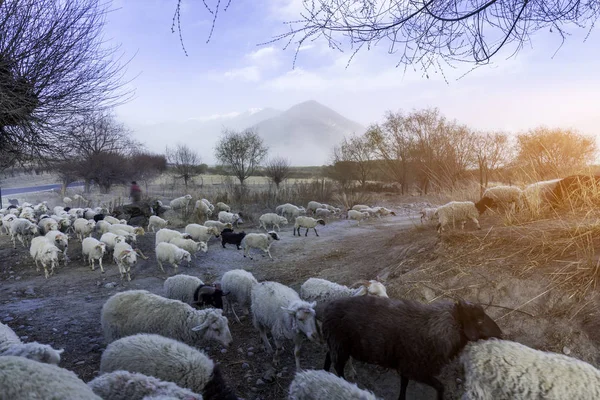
(305, 133)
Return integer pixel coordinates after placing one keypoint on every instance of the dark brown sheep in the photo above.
(415, 339)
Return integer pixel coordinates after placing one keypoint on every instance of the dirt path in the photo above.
(64, 311)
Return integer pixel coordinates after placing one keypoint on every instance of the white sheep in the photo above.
(384, 212)
(111, 220)
(428, 213)
(64, 222)
(290, 211)
(11, 345)
(92, 250)
(169, 253)
(168, 360)
(67, 201)
(218, 224)
(319, 290)
(83, 228)
(110, 240)
(76, 212)
(134, 230)
(125, 257)
(313, 205)
(6, 221)
(220, 206)
(61, 241)
(181, 202)
(456, 211)
(202, 233)
(28, 213)
(124, 385)
(129, 237)
(156, 222)
(202, 210)
(278, 309)
(189, 245)
(272, 219)
(165, 235)
(24, 379)
(44, 252)
(308, 223)
(335, 210)
(323, 213)
(229, 218)
(182, 287)
(262, 241)
(23, 230)
(103, 227)
(504, 370)
(357, 215)
(139, 311)
(209, 204)
(319, 384)
(360, 207)
(46, 225)
(238, 283)
(507, 197)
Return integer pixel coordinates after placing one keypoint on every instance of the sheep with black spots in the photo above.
(155, 223)
(168, 360)
(272, 219)
(504, 370)
(124, 385)
(23, 379)
(261, 241)
(278, 308)
(308, 223)
(169, 253)
(139, 311)
(457, 211)
(11, 345)
(318, 385)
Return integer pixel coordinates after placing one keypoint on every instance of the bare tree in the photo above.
(187, 164)
(54, 63)
(492, 151)
(358, 152)
(147, 166)
(241, 152)
(278, 170)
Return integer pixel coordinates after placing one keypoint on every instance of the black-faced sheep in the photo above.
(308, 223)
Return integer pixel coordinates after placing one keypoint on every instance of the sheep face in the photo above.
(139, 231)
(215, 327)
(274, 235)
(303, 319)
(483, 204)
(320, 221)
(476, 324)
(207, 295)
(202, 247)
(185, 255)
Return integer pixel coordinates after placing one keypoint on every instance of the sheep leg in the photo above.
(327, 364)
(232, 309)
(403, 386)
(160, 265)
(265, 339)
(101, 268)
(269, 253)
(297, 348)
(339, 362)
(14, 242)
(476, 222)
(306, 234)
(92, 263)
(294, 231)
(278, 349)
(434, 383)
(316, 233)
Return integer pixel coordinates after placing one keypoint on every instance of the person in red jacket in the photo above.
(135, 192)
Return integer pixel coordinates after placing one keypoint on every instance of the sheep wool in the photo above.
(165, 359)
(139, 311)
(218, 224)
(11, 345)
(262, 241)
(124, 385)
(504, 370)
(358, 215)
(156, 222)
(201, 233)
(457, 211)
(318, 385)
(317, 289)
(165, 235)
(308, 223)
(181, 287)
(169, 253)
(272, 219)
(239, 284)
(23, 379)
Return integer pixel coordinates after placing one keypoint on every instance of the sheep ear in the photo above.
(469, 325)
(289, 310)
(60, 351)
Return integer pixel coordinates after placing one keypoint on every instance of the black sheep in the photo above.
(228, 236)
(98, 217)
(208, 295)
(415, 339)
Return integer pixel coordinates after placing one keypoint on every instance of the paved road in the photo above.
(33, 189)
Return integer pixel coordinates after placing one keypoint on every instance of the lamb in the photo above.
(231, 237)
(456, 211)
(23, 230)
(189, 245)
(124, 385)
(23, 379)
(272, 219)
(201, 233)
(83, 228)
(222, 207)
(238, 283)
(46, 225)
(93, 250)
(155, 223)
(428, 213)
(317, 385)
(181, 202)
(357, 215)
(41, 250)
(102, 227)
(313, 205)
(425, 337)
(278, 308)
(307, 222)
(218, 224)
(125, 257)
(11, 345)
(321, 290)
(168, 252)
(165, 235)
(168, 360)
(139, 311)
(6, 221)
(495, 370)
(112, 220)
(182, 287)
(61, 241)
(290, 211)
(202, 209)
(262, 241)
(500, 196)
(229, 218)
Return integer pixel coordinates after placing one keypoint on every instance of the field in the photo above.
(536, 277)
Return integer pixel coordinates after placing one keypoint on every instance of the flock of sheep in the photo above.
(153, 340)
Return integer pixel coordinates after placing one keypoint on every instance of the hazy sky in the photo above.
(233, 74)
